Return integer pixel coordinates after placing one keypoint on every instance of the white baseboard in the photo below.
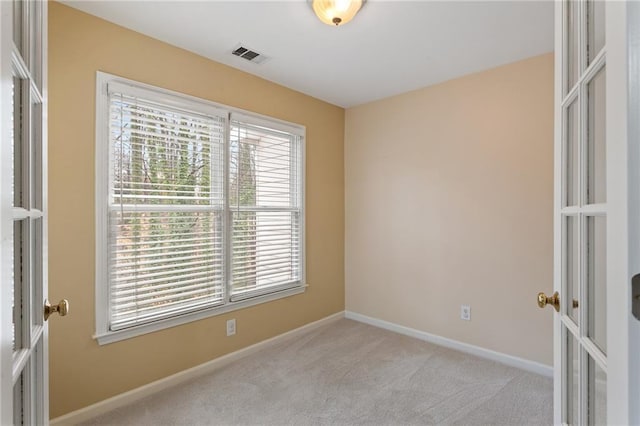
(513, 361)
(94, 410)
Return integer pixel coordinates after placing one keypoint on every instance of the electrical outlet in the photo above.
(231, 327)
(465, 312)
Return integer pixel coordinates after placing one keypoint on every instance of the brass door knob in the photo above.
(544, 300)
(62, 308)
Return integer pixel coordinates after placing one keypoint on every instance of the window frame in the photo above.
(104, 334)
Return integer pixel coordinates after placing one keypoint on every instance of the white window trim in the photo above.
(103, 334)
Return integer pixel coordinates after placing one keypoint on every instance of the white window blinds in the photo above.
(166, 210)
(199, 210)
(265, 202)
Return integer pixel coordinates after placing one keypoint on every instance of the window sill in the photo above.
(106, 337)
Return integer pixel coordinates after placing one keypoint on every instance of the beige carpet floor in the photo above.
(348, 373)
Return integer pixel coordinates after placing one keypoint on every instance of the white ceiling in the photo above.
(391, 47)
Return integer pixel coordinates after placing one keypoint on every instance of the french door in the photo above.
(594, 215)
(23, 221)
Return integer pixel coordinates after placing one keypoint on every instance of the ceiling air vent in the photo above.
(249, 54)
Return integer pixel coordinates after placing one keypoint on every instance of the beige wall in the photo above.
(449, 201)
(81, 371)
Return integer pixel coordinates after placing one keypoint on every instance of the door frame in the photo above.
(633, 67)
(623, 232)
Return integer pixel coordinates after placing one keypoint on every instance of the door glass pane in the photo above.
(595, 28)
(20, 231)
(35, 51)
(572, 10)
(597, 394)
(596, 147)
(36, 155)
(18, 401)
(36, 273)
(572, 265)
(596, 279)
(572, 156)
(571, 391)
(14, 337)
(22, 398)
(18, 13)
(19, 117)
(35, 391)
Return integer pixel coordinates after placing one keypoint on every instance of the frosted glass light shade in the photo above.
(336, 12)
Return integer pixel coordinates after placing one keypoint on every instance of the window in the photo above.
(199, 209)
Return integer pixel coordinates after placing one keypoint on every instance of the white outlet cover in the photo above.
(231, 327)
(465, 312)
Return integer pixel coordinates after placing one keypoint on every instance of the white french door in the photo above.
(594, 205)
(23, 224)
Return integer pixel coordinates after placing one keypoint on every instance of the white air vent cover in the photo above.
(250, 55)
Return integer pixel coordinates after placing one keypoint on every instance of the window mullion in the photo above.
(227, 226)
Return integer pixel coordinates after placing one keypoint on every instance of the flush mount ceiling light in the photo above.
(336, 12)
